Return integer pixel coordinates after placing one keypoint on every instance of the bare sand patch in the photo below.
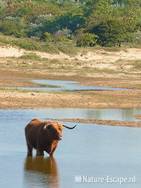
(93, 55)
(97, 61)
(9, 51)
(19, 72)
(95, 99)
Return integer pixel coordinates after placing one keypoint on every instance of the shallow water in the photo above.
(87, 150)
(60, 85)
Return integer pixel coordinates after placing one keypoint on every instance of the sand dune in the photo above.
(100, 56)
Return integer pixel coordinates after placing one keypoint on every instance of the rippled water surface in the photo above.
(87, 150)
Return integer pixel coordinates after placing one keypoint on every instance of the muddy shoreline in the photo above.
(18, 72)
(93, 99)
(103, 122)
(14, 98)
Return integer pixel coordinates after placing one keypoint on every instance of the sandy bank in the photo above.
(104, 122)
(100, 55)
(95, 99)
(19, 72)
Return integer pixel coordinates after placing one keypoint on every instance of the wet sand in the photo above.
(94, 99)
(13, 98)
(15, 71)
(103, 122)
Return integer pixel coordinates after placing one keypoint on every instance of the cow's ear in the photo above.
(45, 127)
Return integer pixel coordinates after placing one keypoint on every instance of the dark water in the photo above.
(88, 150)
(60, 85)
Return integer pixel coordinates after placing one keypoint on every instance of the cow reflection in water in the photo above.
(41, 172)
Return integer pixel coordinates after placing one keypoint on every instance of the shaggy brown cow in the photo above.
(43, 136)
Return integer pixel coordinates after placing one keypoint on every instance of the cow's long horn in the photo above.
(69, 127)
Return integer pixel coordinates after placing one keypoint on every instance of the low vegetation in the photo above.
(62, 25)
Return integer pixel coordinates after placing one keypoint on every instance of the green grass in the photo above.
(67, 47)
(31, 56)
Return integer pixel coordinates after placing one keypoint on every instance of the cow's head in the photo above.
(55, 129)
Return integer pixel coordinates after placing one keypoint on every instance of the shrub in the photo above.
(47, 37)
(87, 39)
(112, 33)
(12, 27)
(28, 44)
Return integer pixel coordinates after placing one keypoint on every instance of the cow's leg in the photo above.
(40, 152)
(52, 150)
(29, 150)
